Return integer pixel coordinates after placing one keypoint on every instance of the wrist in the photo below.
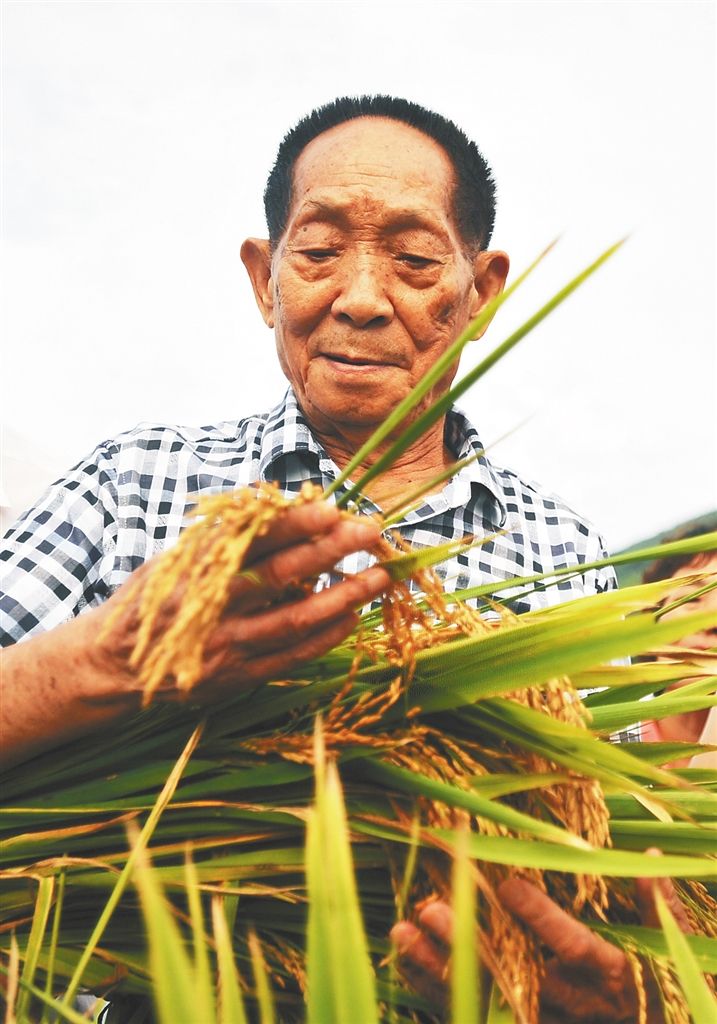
(100, 661)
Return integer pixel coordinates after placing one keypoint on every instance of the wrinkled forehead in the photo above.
(358, 209)
(374, 169)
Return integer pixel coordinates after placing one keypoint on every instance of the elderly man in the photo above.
(380, 214)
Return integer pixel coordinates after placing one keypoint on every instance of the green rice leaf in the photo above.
(202, 972)
(414, 498)
(125, 875)
(481, 806)
(568, 745)
(264, 998)
(13, 978)
(403, 566)
(617, 863)
(230, 1009)
(624, 682)
(409, 869)
(691, 697)
(534, 652)
(341, 983)
(318, 942)
(700, 1000)
(662, 753)
(686, 598)
(671, 837)
(653, 942)
(502, 784)
(465, 965)
(701, 804)
(689, 546)
(65, 1013)
(534, 853)
(43, 902)
(176, 998)
(50, 968)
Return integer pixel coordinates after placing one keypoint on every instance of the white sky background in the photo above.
(136, 141)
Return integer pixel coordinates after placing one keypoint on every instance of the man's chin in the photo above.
(361, 409)
(331, 419)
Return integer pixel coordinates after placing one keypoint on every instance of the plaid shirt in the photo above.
(127, 501)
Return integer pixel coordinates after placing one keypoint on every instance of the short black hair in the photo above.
(666, 568)
(474, 198)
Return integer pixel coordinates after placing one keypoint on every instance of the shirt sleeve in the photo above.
(52, 557)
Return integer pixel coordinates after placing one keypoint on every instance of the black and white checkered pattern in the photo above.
(127, 501)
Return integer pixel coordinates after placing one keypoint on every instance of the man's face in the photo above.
(704, 603)
(370, 282)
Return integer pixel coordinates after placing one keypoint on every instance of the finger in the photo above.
(273, 575)
(248, 672)
(301, 561)
(299, 522)
(645, 893)
(419, 961)
(296, 523)
(572, 942)
(566, 996)
(286, 625)
(436, 919)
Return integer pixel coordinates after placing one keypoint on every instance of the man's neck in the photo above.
(416, 467)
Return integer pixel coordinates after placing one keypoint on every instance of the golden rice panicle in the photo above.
(579, 805)
(351, 723)
(511, 952)
(517, 951)
(700, 907)
(215, 546)
(186, 589)
(407, 628)
(639, 980)
(674, 1006)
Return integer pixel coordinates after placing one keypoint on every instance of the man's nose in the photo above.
(363, 299)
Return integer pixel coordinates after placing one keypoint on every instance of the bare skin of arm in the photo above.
(587, 979)
(73, 679)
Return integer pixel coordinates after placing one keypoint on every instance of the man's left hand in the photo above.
(587, 979)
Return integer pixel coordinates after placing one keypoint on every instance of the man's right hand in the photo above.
(268, 627)
(77, 677)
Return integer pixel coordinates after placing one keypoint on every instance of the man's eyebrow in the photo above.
(312, 210)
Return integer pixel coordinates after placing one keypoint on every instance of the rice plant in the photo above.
(209, 865)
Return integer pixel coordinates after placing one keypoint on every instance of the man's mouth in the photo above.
(357, 361)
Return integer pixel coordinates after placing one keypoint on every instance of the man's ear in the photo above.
(256, 257)
(490, 270)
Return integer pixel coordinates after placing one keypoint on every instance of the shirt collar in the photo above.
(287, 434)
(463, 439)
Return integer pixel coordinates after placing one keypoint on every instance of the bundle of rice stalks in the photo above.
(443, 724)
(440, 721)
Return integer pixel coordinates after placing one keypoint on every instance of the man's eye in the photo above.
(416, 262)
(318, 255)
